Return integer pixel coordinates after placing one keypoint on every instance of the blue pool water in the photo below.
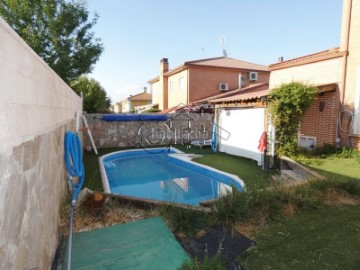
(161, 174)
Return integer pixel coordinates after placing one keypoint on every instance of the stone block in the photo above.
(18, 154)
(15, 204)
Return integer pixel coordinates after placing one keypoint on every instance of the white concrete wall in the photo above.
(36, 109)
(33, 99)
(317, 73)
(240, 131)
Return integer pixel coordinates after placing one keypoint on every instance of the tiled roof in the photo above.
(248, 89)
(173, 109)
(257, 91)
(310, 58)
(224, 62)
(153, 80)
(141, 96)
(227, 62)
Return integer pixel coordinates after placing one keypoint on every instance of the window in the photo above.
(171, 88)
(181, 83)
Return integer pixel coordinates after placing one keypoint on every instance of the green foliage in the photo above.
(95, 99)
(57, 30)
(244, 206)
(351, 187)
(233, 207)
(213, 263)
(327, 151)
(153, 111)
(348, 153)
(185, 220)
(287, 105)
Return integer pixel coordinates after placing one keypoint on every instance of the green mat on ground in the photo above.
(145, 244)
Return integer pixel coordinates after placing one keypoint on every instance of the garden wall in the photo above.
(180, 128)
(36, 109)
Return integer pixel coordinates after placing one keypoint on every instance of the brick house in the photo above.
(195, 80)
(334, 118)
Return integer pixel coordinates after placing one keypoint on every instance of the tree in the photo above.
(57, 30)
(94, 95)
(287, 104)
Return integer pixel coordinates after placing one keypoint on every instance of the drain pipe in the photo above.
(68, 263)
(344, 66)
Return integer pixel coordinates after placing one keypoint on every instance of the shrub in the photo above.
(185, 220)
(352, 187)
(233, 207)
(287, 105)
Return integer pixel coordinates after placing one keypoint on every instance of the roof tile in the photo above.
(330, 53)
(227, 62)
(251, 89)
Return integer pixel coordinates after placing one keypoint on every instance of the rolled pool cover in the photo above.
(134, 117)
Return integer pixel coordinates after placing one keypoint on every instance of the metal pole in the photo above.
(70, 237)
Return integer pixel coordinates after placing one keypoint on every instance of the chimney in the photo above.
(164, 66)
(163, 82)
(145, 89)
(281, 59)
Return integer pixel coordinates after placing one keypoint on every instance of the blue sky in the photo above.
(137, 33)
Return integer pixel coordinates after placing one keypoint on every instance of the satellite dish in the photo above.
(224, 53)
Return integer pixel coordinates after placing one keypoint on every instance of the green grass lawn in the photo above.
(326, 238)
(248, 170)
(321, 238)
(316, 236)
(345, 168)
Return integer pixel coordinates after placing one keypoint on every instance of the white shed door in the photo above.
(240, 132)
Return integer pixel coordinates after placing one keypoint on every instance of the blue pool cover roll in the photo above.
(73, 161)
(134, 117)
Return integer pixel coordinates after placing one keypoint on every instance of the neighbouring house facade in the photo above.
(129, 104)
(195, 80)
(334, 118)
(116, 108)
(320, 123)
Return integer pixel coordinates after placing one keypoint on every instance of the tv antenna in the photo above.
(203, 51)
(222, 41)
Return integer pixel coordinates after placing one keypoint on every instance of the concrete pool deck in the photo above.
(145, 244)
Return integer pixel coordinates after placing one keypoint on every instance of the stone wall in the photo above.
(36, 109)
(180, 128)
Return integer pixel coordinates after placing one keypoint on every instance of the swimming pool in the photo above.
(163, 174)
